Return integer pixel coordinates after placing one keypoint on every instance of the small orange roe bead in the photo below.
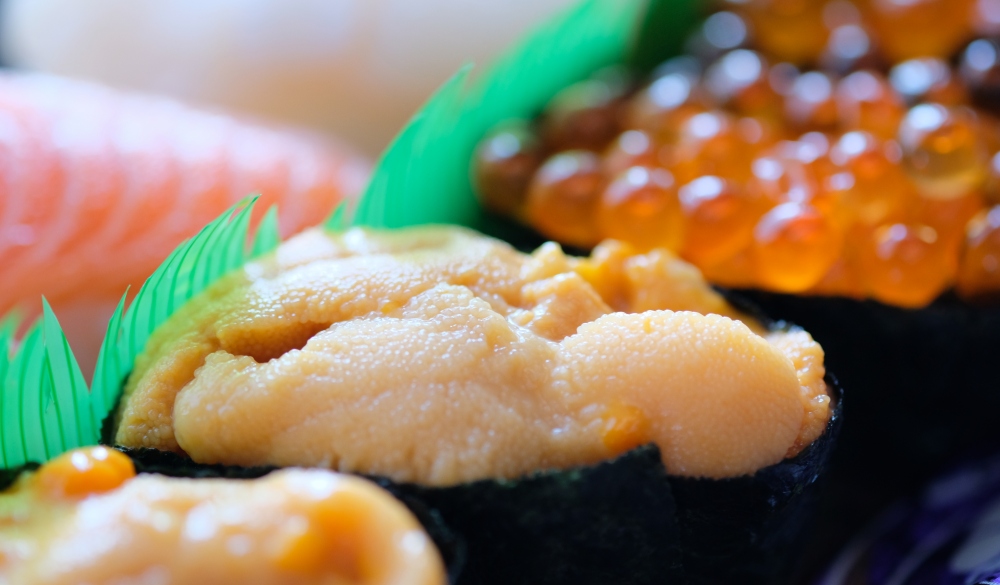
(663, 106)
(949, 217)
(739, 81)
(82, 472)
(842, 280)
(920, 28)
(927, 80)
(867, 102)
(720, 32)
(850, 48)
(585, 115)
(719, 220)
(631, 149)
(715, 143)
(641, 207)
(780, 179)
(980, 69)
(791, 30)
(794, 246)
(810, 104)
(943, 152)
(738, 271)
(503, 166)
(986, 18)
(625, 428)
(907, 265)
(979, 272)
(564, 195)
(866, 171)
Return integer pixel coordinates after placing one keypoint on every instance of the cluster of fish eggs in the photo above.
(843, 148)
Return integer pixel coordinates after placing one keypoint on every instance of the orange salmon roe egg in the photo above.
(503, 166)
(641, 207)
(874, 188)
(948, 216)
(920, 28)
(927, 80)
(904, 265)
(584, 115)
(739, 81)
(979, 272)
(564, 195)
(794, 246)
(719, 220)
(850, 47)
(867, 102)
(810, 105)
(942, 151)
(661, 108)
(791, 30)
(81, 472)
(980, 69)
(633, 148)
(715, 143)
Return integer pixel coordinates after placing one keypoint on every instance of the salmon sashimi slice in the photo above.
(97, 186)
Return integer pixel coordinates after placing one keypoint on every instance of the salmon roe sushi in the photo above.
(828, 147)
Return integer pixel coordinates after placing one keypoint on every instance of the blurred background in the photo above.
(353, 68)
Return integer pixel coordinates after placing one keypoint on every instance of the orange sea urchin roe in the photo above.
(446, 357)
(292, 527)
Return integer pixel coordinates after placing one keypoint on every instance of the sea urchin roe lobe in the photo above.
(292, 527)
(451, 357)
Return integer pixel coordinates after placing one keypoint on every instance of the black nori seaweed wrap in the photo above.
(924, 393)
(621, 521)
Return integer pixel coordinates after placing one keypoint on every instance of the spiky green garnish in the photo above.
(424, 175)
(45, 408)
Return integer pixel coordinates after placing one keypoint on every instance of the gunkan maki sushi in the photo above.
(511, 394)
(86, 517)
(834, 162)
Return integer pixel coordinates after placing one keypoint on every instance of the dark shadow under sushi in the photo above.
(621, 521)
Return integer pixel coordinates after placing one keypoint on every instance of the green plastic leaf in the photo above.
(337, 221)
(44, 402)
(71, 397)
(424, 175)
(268, 237)
(219, 248)
(107, 373)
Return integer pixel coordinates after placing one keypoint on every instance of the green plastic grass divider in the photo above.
(44, 401)
(424, 176)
